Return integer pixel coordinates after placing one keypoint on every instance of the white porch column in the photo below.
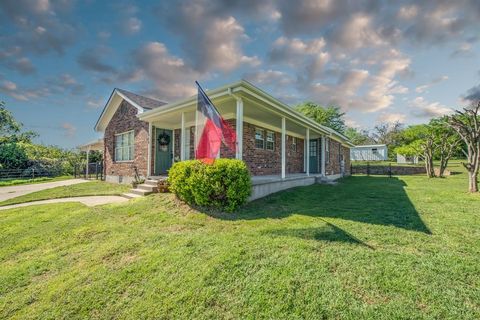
(284, 153)
(323, 156)
(239, 127)
(182, 138)
(149, 151)
(88, 160)
(307, 152)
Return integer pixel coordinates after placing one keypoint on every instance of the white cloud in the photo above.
(423, 88)
(69, 129)
(426, 109)
(171, 76)
(358, 32)
(391, 117)
(408, 12)
(132, 25)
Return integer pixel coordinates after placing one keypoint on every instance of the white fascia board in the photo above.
(115, 92)
(212, 94)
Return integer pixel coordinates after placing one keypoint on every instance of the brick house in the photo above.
(145, 136)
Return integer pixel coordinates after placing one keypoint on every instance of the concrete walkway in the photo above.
(16, 191)
(88, 201)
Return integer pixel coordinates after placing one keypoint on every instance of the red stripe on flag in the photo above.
(209, 143)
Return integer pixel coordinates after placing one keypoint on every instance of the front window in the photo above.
(294, 144)
(270, 140)
(124, 143)
(259, 139)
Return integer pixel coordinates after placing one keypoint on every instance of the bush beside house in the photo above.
(223, 185)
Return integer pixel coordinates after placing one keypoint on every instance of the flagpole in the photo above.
(196, 128)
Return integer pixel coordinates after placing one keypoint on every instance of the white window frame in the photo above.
(115, 147)
(294, 144)
(268, 141)
(262, 134)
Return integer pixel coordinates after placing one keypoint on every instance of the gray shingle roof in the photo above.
(144, 102)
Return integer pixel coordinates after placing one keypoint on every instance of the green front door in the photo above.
(313, 156)
(163, 153)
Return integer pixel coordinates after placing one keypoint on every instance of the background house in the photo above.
(374, 152)
(402, 159)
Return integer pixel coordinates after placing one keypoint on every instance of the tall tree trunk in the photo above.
(473, 181)
(429, 166)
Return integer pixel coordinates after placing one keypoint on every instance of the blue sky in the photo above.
(380, 62)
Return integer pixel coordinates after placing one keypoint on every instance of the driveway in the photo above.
(16, 191)
(88, 201)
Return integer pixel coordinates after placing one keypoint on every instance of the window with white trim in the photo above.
(270, 145)
(294, 144)
(259, 139)
(124, 146)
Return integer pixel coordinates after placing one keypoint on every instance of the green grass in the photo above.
(369, 247)
(14, 182)
(93, 188)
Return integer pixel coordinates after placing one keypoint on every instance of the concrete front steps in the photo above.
(148, 187)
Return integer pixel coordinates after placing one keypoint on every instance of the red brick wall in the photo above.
(125, 119)
(336, 149)
(295, 160)
(260, 161)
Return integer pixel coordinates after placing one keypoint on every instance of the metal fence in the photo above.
(386, 170)
(30, 173)
(95, 171)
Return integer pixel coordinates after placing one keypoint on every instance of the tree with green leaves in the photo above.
(389, 134)
(446, 142)
(419, 141)
(435, 140)
(11, 129)
(467, 124)
(358, 137)
(331, 117)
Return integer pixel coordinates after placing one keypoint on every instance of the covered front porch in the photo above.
(273, 141)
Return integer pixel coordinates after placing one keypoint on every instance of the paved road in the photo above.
(16, 191)
(88, 201)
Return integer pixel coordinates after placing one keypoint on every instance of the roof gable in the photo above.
(141, 103)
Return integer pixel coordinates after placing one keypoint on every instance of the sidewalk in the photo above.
(16, 191)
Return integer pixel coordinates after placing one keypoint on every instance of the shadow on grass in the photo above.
(329, 232)
(374, 200)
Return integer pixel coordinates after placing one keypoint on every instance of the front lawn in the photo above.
(92, 188)
(368, 247)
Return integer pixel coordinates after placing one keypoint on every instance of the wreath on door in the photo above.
(163, 141)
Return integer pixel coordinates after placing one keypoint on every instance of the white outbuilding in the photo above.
(374, 152)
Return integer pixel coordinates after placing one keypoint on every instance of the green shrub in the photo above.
(223, 185)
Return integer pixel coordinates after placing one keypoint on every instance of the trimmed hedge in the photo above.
(225, 184)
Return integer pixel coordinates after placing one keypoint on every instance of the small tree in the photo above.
(446, 142)
(358, 137)
(389, 134)
(420, 142)
(467, 124)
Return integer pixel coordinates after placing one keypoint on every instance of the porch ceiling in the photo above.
(254, 111)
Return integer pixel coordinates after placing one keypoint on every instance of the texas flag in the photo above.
(211, 130)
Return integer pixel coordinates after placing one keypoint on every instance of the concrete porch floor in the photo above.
(277, 178)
